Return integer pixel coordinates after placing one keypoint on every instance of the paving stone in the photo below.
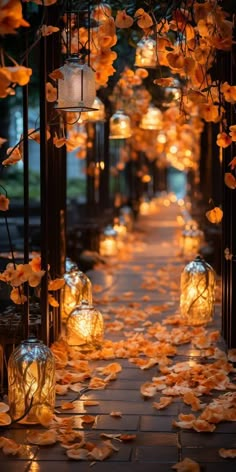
(195, 439)
(158, 454)
(157, 423)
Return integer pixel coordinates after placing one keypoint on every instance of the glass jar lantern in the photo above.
(77, 287)
(197, 292)
(31, 381)
(120, 126)
(108, 242)
(85, 327)
(76, 88)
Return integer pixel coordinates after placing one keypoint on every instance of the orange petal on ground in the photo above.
(148, 389)
(187, 465)
(42, 439)
(227, 453)
(77, 454)
(67, 406)
(88, 419)
(163, 403)
(116, 414)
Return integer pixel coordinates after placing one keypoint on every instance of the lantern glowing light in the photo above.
(31, 381)
(108, 242)
(146, 54)
(98, 113)
(152, 120)
(120, 126)
(77, 287)
(76, 90)
(197, 292)
(85, 327)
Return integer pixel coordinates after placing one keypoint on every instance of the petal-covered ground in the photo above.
(157, 394)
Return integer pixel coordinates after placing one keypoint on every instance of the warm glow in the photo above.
(161, 138)
(76, 91)
(152, 119)
(31, 377)
(173, 149)
(197, 292)
(77, 287)
(84, 327)
(120, 126)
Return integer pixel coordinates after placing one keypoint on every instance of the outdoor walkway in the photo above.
(137, 294)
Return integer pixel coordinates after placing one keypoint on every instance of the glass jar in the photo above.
(77, 287)
(197, 292)
(31, 381)
(85, 327)
(108, 242)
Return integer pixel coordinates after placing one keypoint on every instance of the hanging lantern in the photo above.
(98, 114)
(191, 240)
(85, 327)
(197, 292)
(120, 126)
(77, 287)
(146, 54)
(76, 90)
(108, 242)
(152, 119)
(31, 381)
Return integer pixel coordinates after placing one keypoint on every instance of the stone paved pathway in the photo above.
(148, 276)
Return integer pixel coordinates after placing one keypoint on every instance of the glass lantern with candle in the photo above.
(108, 246)
(77, 287)
(197, 292)
(31, 381)
(120, 126)
(85, 327)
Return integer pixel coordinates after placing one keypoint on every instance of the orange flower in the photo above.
(144, 19)
(223, 140)
(20, 74)
(11, 17)
(5, 81)
(14, 156)
(17, 297)
(123, 20)
(232, 132)
(229, 92)
(51, 92)
(4, 203)
(209, 112)
(230, 180)
(215, 215)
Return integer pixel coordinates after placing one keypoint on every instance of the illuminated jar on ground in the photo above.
(77, 287)
(31, 381)
(197, 292)
(108, 242)
(85, 327)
